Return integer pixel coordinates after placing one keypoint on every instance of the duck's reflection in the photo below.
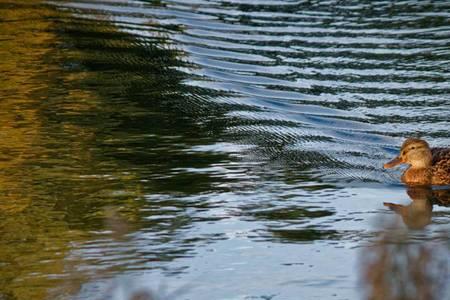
(418, 213)
(399, 264)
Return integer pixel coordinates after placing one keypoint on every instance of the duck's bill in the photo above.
(396, 161)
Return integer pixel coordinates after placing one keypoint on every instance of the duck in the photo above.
(427, 166)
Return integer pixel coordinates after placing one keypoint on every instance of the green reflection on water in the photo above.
(88, 121)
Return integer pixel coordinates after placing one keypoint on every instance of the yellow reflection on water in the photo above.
(31, 242)
(42, 160)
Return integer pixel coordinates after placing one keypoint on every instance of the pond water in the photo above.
(212, 149)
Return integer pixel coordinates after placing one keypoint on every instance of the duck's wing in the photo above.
(440, 154)
(441, 165)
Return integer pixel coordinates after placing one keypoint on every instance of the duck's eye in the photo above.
(412, 148)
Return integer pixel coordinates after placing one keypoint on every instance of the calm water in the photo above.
(212, 149)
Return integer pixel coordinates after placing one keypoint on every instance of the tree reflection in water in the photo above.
(400, 265)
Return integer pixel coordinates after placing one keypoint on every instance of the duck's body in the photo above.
(427, 165)
(440, 166)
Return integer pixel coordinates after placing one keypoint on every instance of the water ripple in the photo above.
(212, 122)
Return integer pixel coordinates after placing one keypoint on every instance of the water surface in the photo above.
(226, 149)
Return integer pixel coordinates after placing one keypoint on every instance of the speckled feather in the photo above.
(441, 165)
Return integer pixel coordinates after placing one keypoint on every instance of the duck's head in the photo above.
(415, 152)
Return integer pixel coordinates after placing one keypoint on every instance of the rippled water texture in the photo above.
(212, 149)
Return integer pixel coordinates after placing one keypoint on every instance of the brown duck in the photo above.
(427, 165)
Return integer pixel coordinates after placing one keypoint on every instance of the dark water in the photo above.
(224, 149)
